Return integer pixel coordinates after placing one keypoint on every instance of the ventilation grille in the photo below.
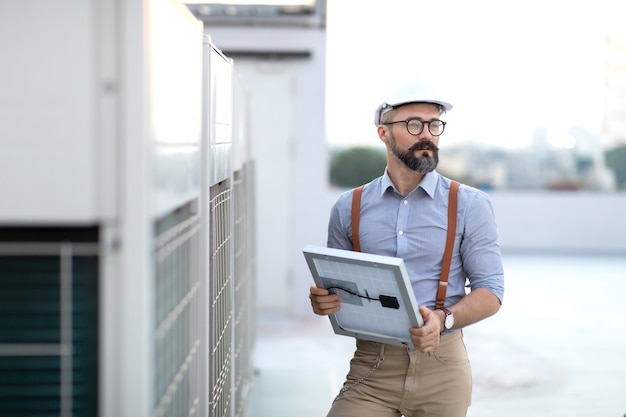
(245, 305)
(221, 301)
(179, 320)
(49, 322)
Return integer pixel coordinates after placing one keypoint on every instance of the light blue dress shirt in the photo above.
(414, 228)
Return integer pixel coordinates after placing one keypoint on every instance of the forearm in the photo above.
(474, 307)
(477, 305)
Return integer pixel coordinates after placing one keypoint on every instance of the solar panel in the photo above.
(377, 300)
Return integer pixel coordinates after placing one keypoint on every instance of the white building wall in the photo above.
(561, 221)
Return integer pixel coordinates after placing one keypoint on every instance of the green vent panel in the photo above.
(48, 323)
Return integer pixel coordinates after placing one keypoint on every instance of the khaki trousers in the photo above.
(386, 380)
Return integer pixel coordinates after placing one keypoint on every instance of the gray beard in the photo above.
(423, 163)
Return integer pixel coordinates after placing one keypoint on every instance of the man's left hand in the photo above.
(426, 338)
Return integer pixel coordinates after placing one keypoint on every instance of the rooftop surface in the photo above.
(550, 351)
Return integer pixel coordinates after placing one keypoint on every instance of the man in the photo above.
(404, 214)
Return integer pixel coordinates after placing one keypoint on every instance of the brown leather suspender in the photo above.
(356, 216)
(447, 255)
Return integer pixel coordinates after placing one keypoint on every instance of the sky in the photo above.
(507, 67)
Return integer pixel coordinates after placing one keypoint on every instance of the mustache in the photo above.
(424, 145)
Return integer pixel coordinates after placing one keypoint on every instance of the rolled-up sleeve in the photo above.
(480, 250)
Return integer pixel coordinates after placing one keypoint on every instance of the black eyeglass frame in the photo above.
(423, 122)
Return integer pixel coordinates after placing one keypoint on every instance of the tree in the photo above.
(616, 160)
(357, 165)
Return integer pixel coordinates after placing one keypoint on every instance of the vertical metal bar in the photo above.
(66, 352)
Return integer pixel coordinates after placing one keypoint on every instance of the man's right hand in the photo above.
(323, 302)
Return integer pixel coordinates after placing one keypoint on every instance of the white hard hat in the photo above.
(410, 91)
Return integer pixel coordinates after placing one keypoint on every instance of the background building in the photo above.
(279, 51)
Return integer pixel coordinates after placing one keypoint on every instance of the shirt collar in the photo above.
(428, 183)
(386, 183)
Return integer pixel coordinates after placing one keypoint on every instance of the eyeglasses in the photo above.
(416, 126)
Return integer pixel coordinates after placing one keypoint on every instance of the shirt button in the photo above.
(405, 202)
(400, 232)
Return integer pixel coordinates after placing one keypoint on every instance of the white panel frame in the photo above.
(175, 94)
(49, 85)
(127, 357)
